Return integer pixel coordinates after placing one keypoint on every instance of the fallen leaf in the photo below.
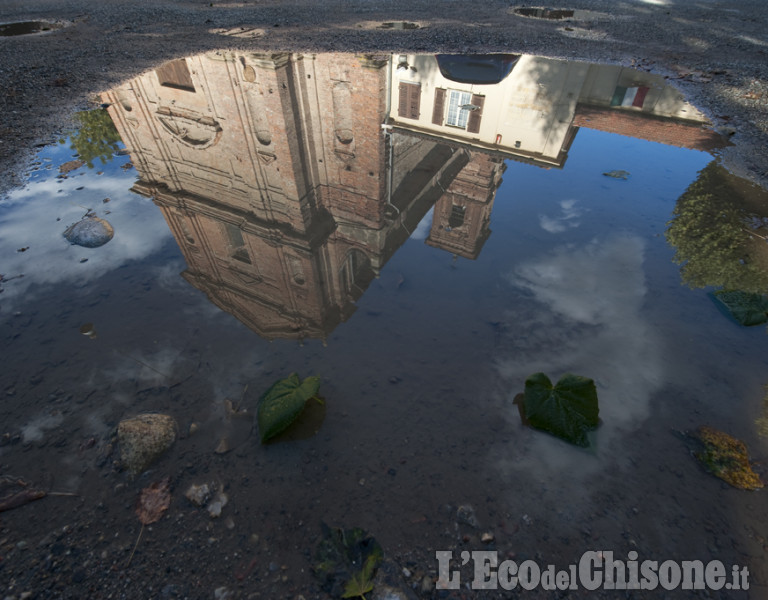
(726, 457)
(568, 410)
(154, 501)
(346, 561)
(282, 404)
(16, 492)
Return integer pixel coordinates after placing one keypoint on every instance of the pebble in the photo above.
(198, 494)
(466, 514)
(216, 506)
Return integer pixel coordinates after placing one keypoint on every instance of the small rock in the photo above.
(144, 438)
(216, 506)
(222, 593)
(198, 494)
(90, 232)
(465, 514)
(487, 538)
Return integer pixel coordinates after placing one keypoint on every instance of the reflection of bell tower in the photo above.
(272, 173)
(462, 215)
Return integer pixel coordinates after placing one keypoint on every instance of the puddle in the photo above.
(422, 233)
(28, 27)
(545, 13)
(399, 25)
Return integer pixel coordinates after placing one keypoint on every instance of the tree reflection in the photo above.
(719, 233)
(95, 137)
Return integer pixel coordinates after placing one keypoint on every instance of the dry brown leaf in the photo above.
(154, 501)
(16, 492)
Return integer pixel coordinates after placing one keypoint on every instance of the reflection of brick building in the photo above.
(462, 215)
(274, 176)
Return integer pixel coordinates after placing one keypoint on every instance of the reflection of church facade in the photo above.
(285, 192)
(278, 182)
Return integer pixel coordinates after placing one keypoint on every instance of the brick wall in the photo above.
(647, 127)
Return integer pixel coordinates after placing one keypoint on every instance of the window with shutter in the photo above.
(175, 74)
(409, 100)
(473, 124)
(439, 108)
(457, 115)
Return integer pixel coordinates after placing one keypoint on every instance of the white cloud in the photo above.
(584, 315)
(36, 216)
(568, 218)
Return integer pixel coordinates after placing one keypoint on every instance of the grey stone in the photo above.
(90, 232)
(144, 438)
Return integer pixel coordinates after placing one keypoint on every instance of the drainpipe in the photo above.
(387, 129)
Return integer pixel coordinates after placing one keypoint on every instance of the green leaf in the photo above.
(568, 410)
(346, 560)
(361, 583)
(747, 308)
(282, 404)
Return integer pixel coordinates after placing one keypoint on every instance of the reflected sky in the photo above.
(267, 223)
(36, 216)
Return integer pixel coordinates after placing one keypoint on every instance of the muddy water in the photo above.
(264, 223)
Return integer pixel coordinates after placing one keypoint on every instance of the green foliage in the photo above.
(748, 309)
(361, 583)
(95, 137)
(346, 561)
(282, 404)
(711, 234)
(568, 410)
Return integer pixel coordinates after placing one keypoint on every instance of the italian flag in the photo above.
(629, 96)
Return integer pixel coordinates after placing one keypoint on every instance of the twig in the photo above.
(755, 234)
(141, 362)
(138, 539)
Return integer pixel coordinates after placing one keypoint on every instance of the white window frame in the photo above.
(456, 116)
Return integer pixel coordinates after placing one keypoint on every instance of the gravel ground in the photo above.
(715, 51)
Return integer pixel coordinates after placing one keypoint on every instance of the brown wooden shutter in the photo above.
(473, 123)
(439, 108)
(409, 99)
(175, 74)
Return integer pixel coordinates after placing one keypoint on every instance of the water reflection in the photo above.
(474, 236)
(289, 180)
(733, 251)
